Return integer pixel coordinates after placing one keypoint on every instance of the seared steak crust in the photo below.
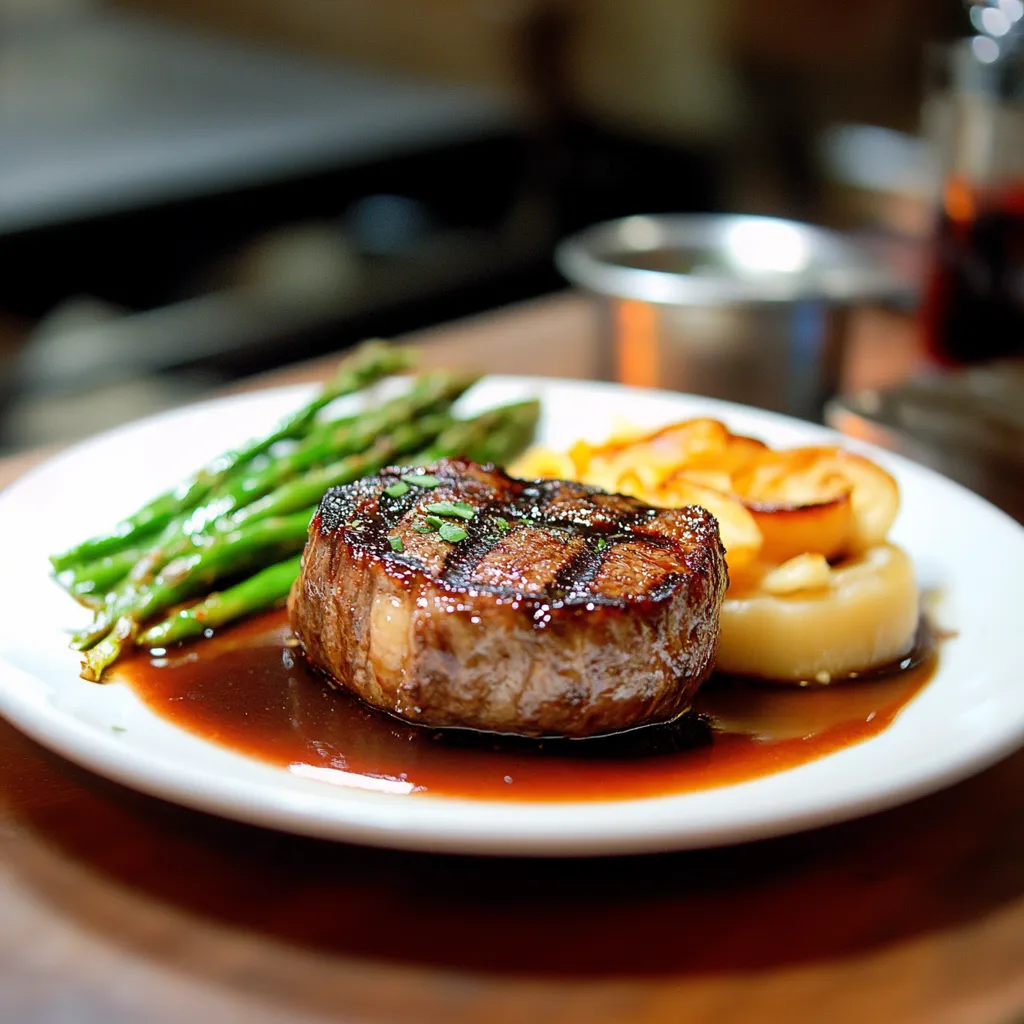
(564, 611)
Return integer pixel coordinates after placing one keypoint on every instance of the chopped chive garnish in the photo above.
(423, 528)
(601, 544)
(118, 728)
(397, 489)
(501, 523)
(396, 543)
(451, 532)
(433, 523)
(456, 509)
(421, 480)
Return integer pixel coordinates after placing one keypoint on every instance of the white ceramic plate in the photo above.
(968, 716)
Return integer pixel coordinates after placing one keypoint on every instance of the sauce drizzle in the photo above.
(250, 689)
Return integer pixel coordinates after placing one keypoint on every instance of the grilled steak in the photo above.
(562, 611)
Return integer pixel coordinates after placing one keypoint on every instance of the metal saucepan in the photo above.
(751, 309)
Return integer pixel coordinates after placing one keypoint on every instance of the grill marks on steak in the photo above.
(588, 613)
(565, 543)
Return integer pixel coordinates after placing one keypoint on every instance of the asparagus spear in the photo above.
(496, 435)
(267, 588)
(499, 434)
(294, 495)
(429, 391)
(135, 602)
(368, 363)
(88, 582)
(245, 548)
(308, 489)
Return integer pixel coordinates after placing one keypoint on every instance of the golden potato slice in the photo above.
(703, 446)
(792, 478)
(678, 440)
(876, 500)
(543, 464)
(839, 501)
(823, 529)
(609, 476)
(716, 479)
(631, 484)
(581, 454)
(740, 534)
(739, 453)
(659, 455)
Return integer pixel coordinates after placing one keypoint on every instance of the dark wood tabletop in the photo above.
(116, 906)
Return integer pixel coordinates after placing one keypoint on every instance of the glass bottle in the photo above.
(973, 302)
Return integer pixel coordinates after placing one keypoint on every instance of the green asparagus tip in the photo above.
(96, 661)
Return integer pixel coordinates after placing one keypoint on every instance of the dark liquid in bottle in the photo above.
(974, 299)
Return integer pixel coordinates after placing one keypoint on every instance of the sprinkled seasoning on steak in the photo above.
(562, 610)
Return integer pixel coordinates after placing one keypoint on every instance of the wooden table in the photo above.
(118, 907)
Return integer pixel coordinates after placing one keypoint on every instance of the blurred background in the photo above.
(192, 191)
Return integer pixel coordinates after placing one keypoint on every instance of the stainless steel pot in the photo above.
(751, 309)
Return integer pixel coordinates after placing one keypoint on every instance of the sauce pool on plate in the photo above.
(249, 689)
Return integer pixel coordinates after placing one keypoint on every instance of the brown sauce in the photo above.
(250, 690)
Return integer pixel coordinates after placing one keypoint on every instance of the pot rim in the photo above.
(758, 260)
